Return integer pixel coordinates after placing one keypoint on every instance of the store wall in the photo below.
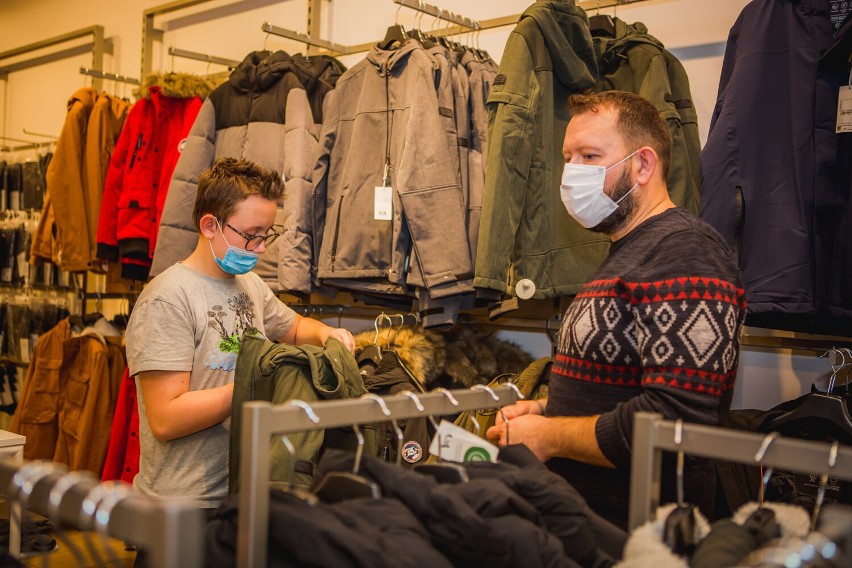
(695, 30)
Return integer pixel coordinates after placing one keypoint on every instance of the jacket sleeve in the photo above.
(300, 149)
(319, 176)
(657, 88)
(108, 219)
(177, 235)
(427, 183)
(511, 121)
(65, 183)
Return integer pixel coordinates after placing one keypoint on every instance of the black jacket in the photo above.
(770, 168)
(360, 532)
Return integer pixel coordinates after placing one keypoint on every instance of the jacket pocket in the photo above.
(76, 393)
(135, 215)
(42, 406)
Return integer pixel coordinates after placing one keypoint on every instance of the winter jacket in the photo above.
(390, 93)
(38, 402)
(771, 168)
(637, 62)
(60, 237)
(249, 117)
(92, 367)
(122, 458)
(525, 231)
(280, 373)
(141, 167)
(351, 534)
(513, 531)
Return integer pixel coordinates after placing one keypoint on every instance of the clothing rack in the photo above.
(203, 57)
(109, 76)
(652, 435)
(438, 13)
(306, 39)
(262, 420)
(171, 531)
(98, 47)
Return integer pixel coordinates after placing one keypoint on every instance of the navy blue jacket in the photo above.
(772, 183)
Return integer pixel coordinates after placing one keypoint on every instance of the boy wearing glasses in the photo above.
(186, 328)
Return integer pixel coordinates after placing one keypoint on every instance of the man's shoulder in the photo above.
(174, 284)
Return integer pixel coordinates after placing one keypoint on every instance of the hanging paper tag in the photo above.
(25, 349)
(844, 110)
(456, 444)
(383, 203)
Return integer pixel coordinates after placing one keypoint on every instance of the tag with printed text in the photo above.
(844, 110)
(383, 203)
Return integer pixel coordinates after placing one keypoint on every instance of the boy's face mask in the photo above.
(582, 193)
(236, 260)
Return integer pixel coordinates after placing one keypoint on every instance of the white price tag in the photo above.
(25, 349)
(844, 110)
(383, 203)
(456, 444)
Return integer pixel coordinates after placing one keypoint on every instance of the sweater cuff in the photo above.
(614, 446)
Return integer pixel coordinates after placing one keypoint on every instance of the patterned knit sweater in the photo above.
(656, 329)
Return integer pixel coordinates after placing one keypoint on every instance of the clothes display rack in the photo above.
(207, 58)
(171, 531)
(98, 74)
(98, 47)
(262, 420)
(652, 435)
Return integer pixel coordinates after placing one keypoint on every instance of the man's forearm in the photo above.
(574, 438)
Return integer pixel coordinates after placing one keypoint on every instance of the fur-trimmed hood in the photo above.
(177, 85)
(645, 547)
(459, 358)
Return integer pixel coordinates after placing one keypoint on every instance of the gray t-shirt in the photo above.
(186, 321)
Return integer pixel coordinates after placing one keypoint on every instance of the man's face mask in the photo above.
(582, 192)
(236, 260)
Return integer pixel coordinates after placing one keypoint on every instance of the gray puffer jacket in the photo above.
(261, 114)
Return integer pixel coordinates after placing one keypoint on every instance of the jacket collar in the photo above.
(388, 60)
(260, 70)
(609, 49)
(86, 95)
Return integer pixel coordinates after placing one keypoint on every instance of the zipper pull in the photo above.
(135, 150)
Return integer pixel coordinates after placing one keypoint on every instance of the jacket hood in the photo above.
(387, 60)
(86, 95)
(318, 69)
(609, 49)
(176, 85)
(422, 352)
(565, 29)
(260, 70)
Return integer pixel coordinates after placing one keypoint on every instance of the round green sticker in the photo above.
(475, 454)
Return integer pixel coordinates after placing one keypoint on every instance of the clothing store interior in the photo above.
(502, 283)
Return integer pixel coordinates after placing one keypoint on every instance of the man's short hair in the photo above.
(229, 182)
(639, 122)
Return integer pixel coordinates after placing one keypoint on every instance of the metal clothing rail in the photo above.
(109, 76)
(262, 420)
(98, 47)
(306, 39)
(652, 435)
(203, 57)
(446, 15)
(171, 531)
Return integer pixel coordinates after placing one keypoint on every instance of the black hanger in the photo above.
(821, 406)
(394, 34)
(602, 24)
(337, 486)
(679, 528)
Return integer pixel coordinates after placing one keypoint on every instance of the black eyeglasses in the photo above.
(253, 241)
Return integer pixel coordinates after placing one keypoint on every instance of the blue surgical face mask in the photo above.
(236, 260)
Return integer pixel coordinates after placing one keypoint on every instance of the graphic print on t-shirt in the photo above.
(242, 306)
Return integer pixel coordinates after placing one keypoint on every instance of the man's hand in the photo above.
(344, 336)
(531, 429)
(520, 408)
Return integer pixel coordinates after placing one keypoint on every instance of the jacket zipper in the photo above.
(135, 150)
(336, 233)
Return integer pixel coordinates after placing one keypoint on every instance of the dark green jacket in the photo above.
(637, 62)
(525, 231)
(278, 373)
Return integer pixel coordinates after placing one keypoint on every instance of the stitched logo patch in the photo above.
(412, 452)
(499, 80)
(181, 145)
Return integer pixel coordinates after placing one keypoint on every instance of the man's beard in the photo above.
(621, 216)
